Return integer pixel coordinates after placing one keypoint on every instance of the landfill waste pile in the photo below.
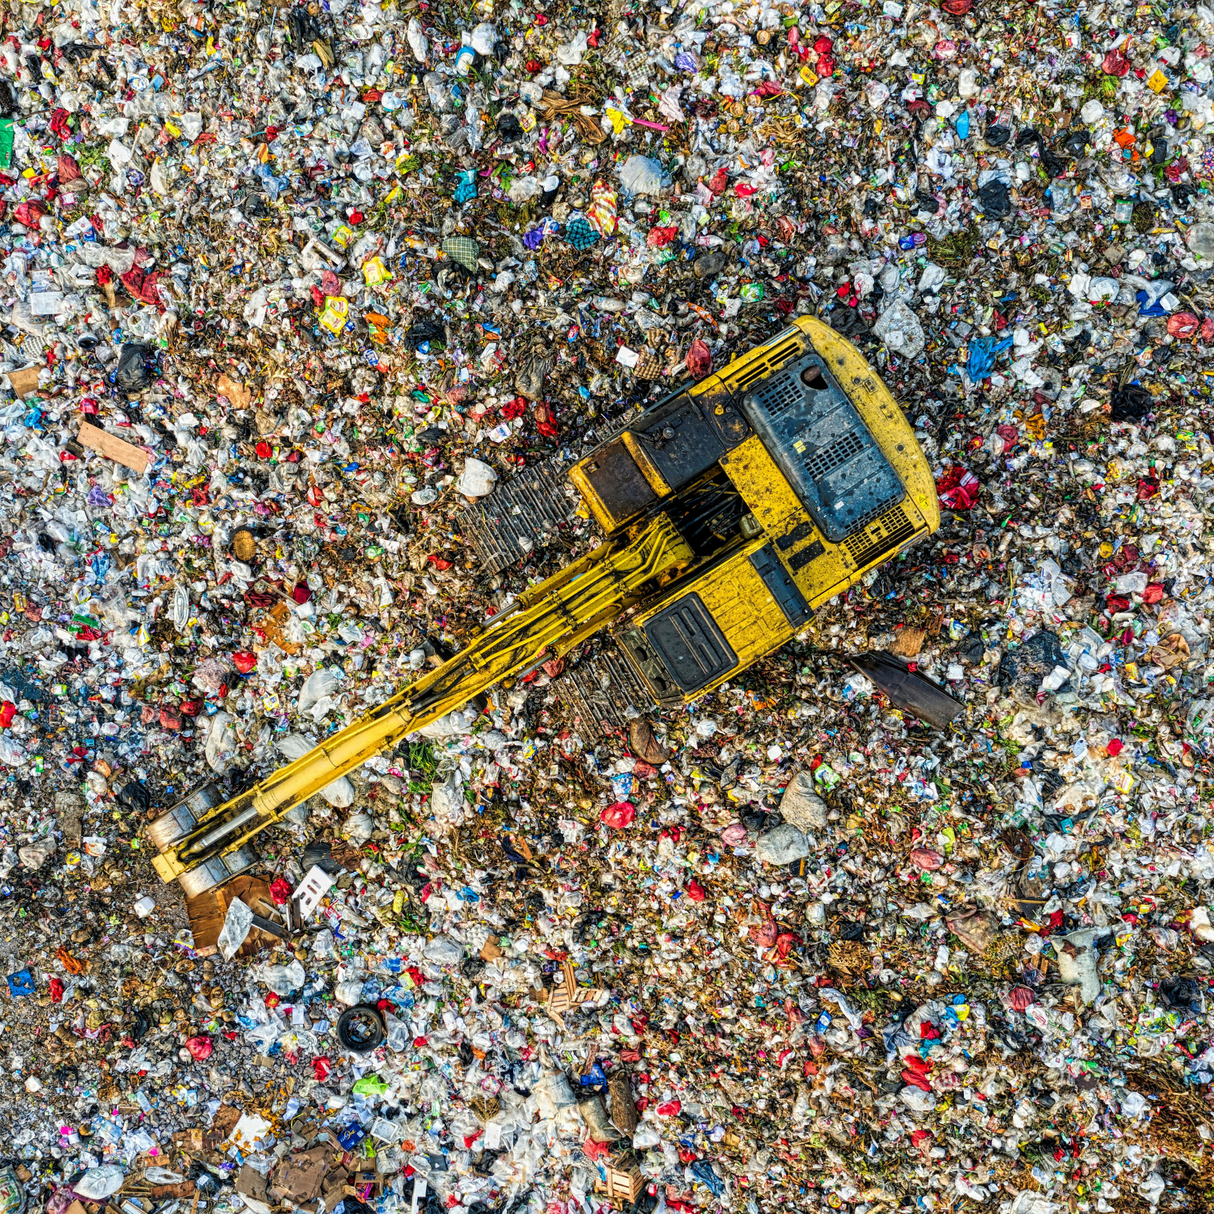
(290, 296)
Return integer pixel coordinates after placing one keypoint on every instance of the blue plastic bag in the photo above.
(983, 351)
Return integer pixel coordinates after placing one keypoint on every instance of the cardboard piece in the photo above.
(909, 642)
(272, 623)
(121, 452)
(251, 1183)
(226, 1118)
(299, 1177)
(23, 381)
(162, 1192)
(334, 1187)
(208, 911)
(237, 393)
(490, 951)
(365, 1182)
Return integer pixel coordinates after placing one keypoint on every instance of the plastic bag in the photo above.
(643, 175)
(619, 815)
(901, 331)
(477, 479)
(99, 1183)
(136, 368)
(283, 979)
(236, 927)
(319, 687)
(699, 360)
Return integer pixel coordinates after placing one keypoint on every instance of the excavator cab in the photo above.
(791, 473)
(729, 510)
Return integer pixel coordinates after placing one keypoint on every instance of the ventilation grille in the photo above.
(837, 453)
(890, 531)
(780, 396)
(776, 359)
(864, 520)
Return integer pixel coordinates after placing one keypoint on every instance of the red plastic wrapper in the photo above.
(200, 1048)
(321, 1068)
(29, 212)
(699, 359)
(56, 985)
(545, 421)
(1115, 64)
(958, 488)
(671, 1108)
(280, 891)
(619, 815)
(1183, 325)
(244, 661)
(695, 891)
(1019, 997)
(8, 710)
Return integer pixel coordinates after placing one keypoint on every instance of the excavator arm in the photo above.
(202, 844)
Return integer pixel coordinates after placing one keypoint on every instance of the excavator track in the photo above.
(598, 693)
(518, 517)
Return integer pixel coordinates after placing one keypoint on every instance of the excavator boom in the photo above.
(204, 845)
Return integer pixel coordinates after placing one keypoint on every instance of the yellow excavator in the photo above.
(729, 510)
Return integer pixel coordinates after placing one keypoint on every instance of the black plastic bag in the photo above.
(997, 136)
(996, 199)
(509, 127)
(1076, 143)
(1130, 404)
(136, 366)
(907, 689)
(1054, 166)
(1026, 665)
(424, 330)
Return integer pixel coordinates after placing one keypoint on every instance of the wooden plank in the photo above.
(121, 452)
(23, 381)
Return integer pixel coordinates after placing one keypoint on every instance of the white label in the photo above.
(45, 303)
